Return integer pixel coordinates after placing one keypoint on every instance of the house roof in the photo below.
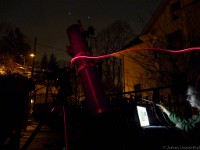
(155, 16)
(135, 41)
(151, 22)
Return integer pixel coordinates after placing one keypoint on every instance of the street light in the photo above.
(32, 55)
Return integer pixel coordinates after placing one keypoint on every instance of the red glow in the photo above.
(133, 49)
(100, 110)
(89, 57)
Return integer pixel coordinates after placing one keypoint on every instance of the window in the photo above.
(175, 7)
(175, 40)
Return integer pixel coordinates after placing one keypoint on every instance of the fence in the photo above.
(145, 97)
(173, 101)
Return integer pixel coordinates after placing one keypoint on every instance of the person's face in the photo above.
(192, 97)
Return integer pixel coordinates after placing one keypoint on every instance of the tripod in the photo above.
(41, 123)
(65, 90)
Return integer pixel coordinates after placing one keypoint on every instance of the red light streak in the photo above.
(133, 49)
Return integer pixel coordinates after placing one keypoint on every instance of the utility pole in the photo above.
(33, 65)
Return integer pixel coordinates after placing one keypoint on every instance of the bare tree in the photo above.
(109, 40)
(52, 64)
(44, 62)
(13, 46)
(163, 68)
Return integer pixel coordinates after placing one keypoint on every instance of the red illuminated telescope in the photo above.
(87, 71)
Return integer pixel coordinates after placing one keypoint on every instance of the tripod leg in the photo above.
(34, 133)
(65, 128)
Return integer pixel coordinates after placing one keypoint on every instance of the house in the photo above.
(174, 25)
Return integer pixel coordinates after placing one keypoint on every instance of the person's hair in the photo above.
(196, 91)
(195, 85)
(191, 86)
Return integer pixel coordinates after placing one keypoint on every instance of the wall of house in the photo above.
(170, 17)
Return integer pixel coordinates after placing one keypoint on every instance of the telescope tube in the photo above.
(87, 71)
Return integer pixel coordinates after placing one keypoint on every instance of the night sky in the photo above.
(48, 19)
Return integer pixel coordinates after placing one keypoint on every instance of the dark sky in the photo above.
(48, 19)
